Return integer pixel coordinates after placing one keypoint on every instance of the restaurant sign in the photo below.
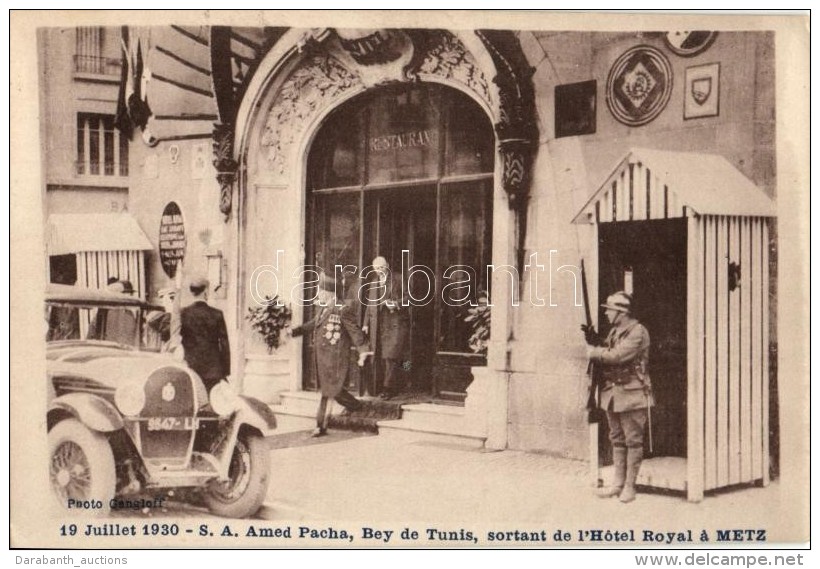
(401, 141)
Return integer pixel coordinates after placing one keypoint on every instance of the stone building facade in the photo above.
(284, 148)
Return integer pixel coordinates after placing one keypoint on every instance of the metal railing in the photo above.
(107, 168)
(97, 65)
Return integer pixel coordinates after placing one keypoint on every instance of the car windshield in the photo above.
(120, 324)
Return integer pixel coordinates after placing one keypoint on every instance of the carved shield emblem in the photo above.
(369, 47)
(701, 89)
(639, 85)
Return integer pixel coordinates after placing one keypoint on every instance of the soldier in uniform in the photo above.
(335, 331)
(387, 324)
(625, 391)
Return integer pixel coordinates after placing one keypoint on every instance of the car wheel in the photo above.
(81, 468)
(243, 493)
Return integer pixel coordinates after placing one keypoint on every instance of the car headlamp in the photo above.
(224, 399)
(130, 398)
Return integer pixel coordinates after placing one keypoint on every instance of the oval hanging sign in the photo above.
(171, 239)
(688, 44)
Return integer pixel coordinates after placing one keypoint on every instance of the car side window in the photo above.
(63, 323)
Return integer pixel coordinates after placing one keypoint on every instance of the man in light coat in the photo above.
(387, 324)
(626, 391)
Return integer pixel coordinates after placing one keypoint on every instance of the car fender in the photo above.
(256, 414)
(93, 411)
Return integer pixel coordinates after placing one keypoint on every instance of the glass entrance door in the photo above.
(401, 227)
(434, 235)
(406, 173)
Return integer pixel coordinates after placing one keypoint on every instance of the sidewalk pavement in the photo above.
(398, 482)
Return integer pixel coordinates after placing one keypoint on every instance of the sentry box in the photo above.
(688, 235)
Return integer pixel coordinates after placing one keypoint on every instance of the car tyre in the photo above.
(81, 466)
(242, 495)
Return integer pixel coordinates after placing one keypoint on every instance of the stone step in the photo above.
(288, 423)
(452, 397)
(426, 421)
(303, 406)
(405, 432)
(306, 402)
(445, 424)
(431, 409)
(300, 403)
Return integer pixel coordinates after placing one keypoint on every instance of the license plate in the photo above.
(171, 424)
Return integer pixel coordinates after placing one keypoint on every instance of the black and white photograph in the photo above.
(400, 279)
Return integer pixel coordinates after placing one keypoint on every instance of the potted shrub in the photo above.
(269, 319)
(479, 318)
(267, 375)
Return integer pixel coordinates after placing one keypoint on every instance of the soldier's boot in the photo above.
(618, 478)
(634, 457)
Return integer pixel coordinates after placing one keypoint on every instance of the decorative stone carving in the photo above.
(225, 165)
(517, 129)
(311, 87)
(516, 165)
(444, 55)
(322, 77)
(370, 47)
(377, 57)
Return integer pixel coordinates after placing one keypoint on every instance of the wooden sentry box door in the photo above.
(733, 363)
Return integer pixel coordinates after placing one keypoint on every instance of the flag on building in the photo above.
(133, 110)
(122, 121)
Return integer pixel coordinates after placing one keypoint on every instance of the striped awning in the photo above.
(78, 232)
(656, 184)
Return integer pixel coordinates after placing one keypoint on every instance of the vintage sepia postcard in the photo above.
(398, 279)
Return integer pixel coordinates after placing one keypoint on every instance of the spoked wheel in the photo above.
(81, 468)
(243, 493)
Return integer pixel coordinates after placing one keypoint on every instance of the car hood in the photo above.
(75, 350)
(104, 362)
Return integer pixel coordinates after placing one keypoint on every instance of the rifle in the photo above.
(593, 371)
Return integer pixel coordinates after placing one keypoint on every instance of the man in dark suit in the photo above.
(205, 337)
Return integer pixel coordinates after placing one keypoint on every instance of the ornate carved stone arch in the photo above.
(331, 69)
(335, 63)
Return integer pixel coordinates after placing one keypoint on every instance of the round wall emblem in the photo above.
(168, 392)
(688, 44)
(639, 85)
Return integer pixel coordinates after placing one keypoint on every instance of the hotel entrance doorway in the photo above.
(406, 173)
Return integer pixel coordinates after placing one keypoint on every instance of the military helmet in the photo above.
(620, 301)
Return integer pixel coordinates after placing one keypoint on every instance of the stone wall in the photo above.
(548, 359)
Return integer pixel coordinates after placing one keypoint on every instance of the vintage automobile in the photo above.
(124, 421)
